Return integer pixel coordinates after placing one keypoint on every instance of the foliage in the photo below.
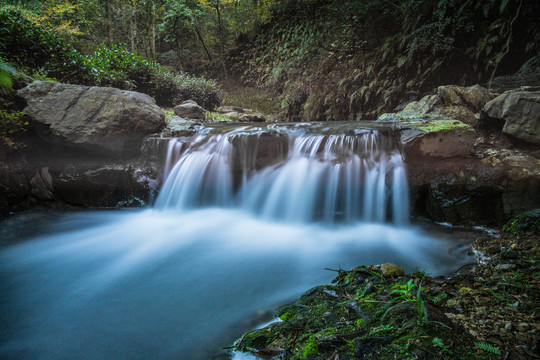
(528, 221)
(487, 347)
(12, 124)
(348, 320)
(28, 45)
(31, 46)
(6, 73)
(358, 59)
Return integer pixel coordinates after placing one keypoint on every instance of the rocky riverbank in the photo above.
(467, 160)
(376, 312)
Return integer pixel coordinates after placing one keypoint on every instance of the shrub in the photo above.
(114, 66)
(36, 48)
(28, 45)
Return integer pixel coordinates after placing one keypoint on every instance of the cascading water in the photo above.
(247, 219)
(325, 177)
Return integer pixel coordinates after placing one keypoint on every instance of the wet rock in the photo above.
(473, 97)
(105, 186)
(451, 102)
(41, 184)
(229, 109)
(178, 126)
(441, 138)
(389, 269)
(520, 112)
(104, 120)
(255, 152)
(14, 187)
(252, 118)
(189, 110)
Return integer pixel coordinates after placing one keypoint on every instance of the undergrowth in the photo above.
(37, 50)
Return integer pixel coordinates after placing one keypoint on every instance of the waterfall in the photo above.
(287, 174)
(248, 218)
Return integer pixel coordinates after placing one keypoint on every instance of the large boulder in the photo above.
(519, 111)
(104, 120)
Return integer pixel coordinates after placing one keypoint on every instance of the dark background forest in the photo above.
(315, 59)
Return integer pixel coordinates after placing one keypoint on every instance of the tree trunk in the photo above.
(153, 33)
(202, 42)
(221, 40)
(133, 29)
(108, 14)
(178, 44)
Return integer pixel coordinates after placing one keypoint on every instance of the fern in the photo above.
(481, 345)
(440, 297)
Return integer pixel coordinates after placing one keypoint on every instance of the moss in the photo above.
(217, 117)
(528, 221)
(311, 348)
(169, 113)
(363, 316)
(434, 126)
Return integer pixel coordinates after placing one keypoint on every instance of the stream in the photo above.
(246, 220)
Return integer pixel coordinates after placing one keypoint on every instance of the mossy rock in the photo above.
(364, 315)
(526, 222)
(435, 126)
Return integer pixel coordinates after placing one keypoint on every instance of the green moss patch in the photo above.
(434, 126)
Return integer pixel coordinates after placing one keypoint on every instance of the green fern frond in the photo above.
(487, 347)
(440, 297)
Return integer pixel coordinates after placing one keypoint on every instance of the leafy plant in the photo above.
(27, 44)
(481, 345)
(404, 291)
(12, 124)
(437, 342)
(528, 221)
(6, 74)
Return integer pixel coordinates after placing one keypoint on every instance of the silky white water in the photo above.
(223, 242)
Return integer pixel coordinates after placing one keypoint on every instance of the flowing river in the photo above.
(246, 220)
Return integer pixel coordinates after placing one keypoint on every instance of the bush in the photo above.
(27, 45)
(114, 66)
(36, 48)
